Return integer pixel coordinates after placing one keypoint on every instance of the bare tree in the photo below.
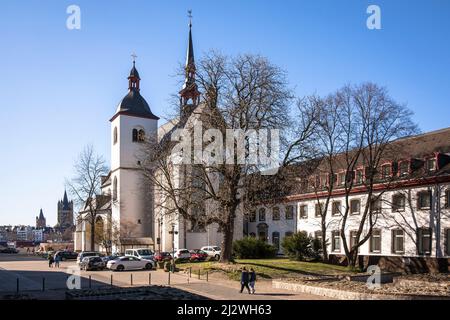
(85, 188)
(246, 93)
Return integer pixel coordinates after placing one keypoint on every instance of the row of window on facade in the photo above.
(275, 237)
(276, 214)
(398, 240)
(137, 135)
(397, 203)
(359, 176)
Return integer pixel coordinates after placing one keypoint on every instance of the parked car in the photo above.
(162, 256)
(182, 254)
(198, 255)
(130, 263)
(92, 263)
(9, 250)
(67, 255)
(111, 257)
(85, 254)
(141, 253)
(212, 251)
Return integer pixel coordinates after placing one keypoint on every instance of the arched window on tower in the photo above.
(114, 195)
(135, 135)
(115, 135)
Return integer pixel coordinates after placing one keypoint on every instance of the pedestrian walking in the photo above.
(57, 260)
(252, 280)
(244, 280)
(50, 260)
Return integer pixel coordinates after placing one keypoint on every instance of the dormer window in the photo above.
(430, 164)
(403, 168)
(359, 177)
(386, 171)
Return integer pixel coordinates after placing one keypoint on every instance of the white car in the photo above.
(130, 263)
(182, 254)
(212, 251)
(141, 253)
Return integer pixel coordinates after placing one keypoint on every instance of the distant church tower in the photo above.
(65, 213)
(40, 221)
(132, 205)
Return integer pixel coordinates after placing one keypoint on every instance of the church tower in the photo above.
(132, 203)
(65, 213)
(40, 221)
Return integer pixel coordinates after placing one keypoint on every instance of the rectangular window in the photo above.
(288, 234)
(318, 236)
(376, 205)
(276, 213)
(424, 241)
(424, 200)
(304, 211)
(431, 164)
(335, 241)
(359, 177)
(262, 214)
(289, 212)
(276, 240)
(398, 241)
(341, 178)
(336, 208)
(353, 239)
(398, 202)
(355, 206)
(375, 241)
(403, 168)
(318, 210)
(252, 216)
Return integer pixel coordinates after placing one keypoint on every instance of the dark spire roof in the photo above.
(65, 202)
(41, 215)
(133, 103)
(190, 61)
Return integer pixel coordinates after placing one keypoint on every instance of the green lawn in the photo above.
(267, 268)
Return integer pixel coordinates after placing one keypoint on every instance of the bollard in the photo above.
(90, 282)
(111, 280)
(190, 272)
(198, 274)
(131, 279)
(17, 285)
(169, 278)
(206, 276)
(149, 279)
(43, 283)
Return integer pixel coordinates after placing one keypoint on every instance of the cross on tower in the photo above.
(134, 56)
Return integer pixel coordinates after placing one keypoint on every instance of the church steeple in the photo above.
(189, 94)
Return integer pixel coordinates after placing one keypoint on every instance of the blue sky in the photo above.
(60, 87)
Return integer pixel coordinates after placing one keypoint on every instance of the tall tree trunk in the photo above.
(227, 242)
(324, 242)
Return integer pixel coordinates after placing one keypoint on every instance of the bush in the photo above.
(300, 246)
(252, 248)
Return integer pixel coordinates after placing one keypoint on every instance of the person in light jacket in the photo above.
(252, 279)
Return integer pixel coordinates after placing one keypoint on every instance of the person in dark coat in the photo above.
(50, 260)
(252, 279)
(244, 280)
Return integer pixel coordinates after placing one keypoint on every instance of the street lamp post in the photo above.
(173, 233)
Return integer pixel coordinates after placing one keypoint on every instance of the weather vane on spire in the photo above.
(134, 56)
(190, 17)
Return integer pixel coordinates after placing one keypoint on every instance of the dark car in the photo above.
(198, 255)
(9, 250)
(162, 256)
(92, 263)
(111, 257)
(67, 255)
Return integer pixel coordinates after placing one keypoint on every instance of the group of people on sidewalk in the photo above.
(54, 260)
(248, 279)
